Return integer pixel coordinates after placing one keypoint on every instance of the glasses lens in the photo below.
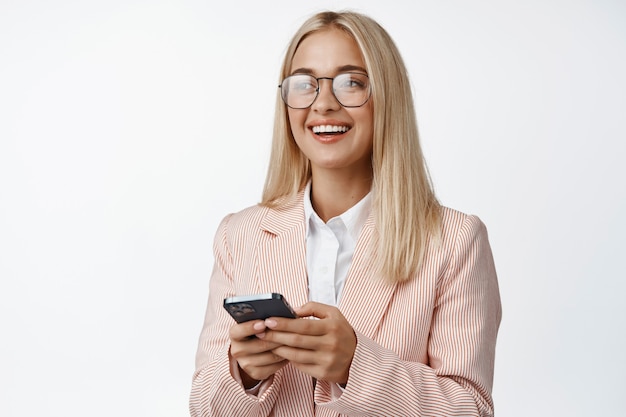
(351, 89)
(299, 91)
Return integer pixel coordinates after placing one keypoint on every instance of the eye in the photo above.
(302, 83)
(351, 81)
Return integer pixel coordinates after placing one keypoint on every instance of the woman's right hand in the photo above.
(253, 354)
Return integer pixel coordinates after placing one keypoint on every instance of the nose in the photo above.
(325, 100)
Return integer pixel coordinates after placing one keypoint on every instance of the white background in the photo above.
(125, 137)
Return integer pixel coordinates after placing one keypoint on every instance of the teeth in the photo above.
(330, 129)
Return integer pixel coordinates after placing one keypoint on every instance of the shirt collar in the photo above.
(354, 218)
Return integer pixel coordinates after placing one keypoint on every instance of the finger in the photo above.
(242, 331)
(296, 355)
(247, 347)
(319, 310)
(303, 326)
(260, 359)
(296, 340)
(260, 373)
(318, 364)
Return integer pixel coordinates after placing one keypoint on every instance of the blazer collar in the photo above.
(285, 217)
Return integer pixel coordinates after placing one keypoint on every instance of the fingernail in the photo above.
(270, 323)
(260, 335)
(259, 326)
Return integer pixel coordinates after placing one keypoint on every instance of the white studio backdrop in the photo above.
(128, 129)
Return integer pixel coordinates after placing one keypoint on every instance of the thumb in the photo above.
(314, 309)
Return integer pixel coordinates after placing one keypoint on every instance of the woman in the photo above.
(403, 291)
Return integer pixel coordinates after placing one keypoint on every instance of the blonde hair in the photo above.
(407, 213)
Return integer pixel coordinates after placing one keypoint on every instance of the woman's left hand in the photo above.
(321, 348)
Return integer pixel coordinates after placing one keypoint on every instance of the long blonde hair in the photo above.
(407, 213)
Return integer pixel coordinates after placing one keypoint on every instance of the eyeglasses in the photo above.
(351, 89)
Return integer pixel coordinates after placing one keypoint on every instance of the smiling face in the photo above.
(334, 138)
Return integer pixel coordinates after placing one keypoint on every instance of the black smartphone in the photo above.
(258, 307)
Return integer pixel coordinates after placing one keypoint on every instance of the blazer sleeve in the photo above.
(214, 391)
(458, 379)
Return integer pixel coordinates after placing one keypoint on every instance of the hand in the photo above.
(321, 348)
(253, 354)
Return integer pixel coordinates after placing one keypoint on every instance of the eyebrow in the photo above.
(343, 68)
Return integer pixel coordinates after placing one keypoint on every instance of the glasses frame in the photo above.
(332, 89)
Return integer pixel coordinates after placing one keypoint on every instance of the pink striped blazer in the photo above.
(424, 348)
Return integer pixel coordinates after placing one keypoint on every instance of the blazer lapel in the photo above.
(365, 295)
(282, 256)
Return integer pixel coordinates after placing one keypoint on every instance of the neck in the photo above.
(332, 196)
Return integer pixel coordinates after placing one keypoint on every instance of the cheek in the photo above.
(365, 118)
(297, 126)
(296, 119)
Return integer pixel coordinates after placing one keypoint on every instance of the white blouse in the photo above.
(330, 246)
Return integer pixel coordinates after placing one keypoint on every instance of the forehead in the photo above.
(324, 52)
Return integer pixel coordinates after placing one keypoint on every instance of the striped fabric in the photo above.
(424, 348)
